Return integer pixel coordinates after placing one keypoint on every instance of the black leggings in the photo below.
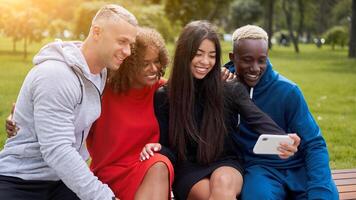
(14, 188)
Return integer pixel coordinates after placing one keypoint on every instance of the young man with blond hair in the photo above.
(59, 100)
(306, 175)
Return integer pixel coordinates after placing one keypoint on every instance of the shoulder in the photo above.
(234, 87)
(53, 77)
(55, 71)
(161, 95)
(162, 90)
(289, 87)
(285, 83)
(161, 82)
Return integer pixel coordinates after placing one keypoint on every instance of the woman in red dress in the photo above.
(128, 122)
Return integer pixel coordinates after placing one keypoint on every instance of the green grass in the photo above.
(327, 79)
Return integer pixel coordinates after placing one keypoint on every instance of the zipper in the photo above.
(81, 86)
(81, 142)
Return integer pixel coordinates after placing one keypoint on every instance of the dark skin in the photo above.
(10, 125)
(250, 55)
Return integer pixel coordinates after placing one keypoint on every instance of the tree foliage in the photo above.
(243, 12)
(154, 16)
(336, 35)
(29, 23)
(83, 16)
(188, 10)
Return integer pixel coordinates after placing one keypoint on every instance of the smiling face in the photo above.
(149, 74)
(204, 60)
(249, 58)
(115, 41)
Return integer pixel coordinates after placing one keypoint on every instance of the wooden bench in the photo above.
(345, 181)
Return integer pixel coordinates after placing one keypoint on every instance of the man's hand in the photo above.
(10, 125)
(148, 149)
(288, 150)
(226, 75)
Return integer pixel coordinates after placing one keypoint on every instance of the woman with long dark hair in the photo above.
(195, 111)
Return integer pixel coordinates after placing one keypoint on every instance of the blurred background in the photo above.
(312, 42)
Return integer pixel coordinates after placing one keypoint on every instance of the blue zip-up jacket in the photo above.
(283, 101)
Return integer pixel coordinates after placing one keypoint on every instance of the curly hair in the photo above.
(121, 79)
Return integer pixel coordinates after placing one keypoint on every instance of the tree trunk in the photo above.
(269, 23)
(321, 24)
(352, 43)
(289, 20)
(301, 9)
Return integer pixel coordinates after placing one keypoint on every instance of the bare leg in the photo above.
(200, 190)
(155, 185)
(225, 184)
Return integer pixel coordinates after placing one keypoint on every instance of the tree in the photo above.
(243, 12)
(269, 20)
(301, 9)
(83, 16)
(352, 43)
(154, 16)
(9, 29)
(341, 13)
(186, 10)
(336, 35)
(29, 24)
(287, 7)
(58, 27)
(323, 16)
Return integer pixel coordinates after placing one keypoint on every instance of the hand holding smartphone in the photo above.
(268, 144)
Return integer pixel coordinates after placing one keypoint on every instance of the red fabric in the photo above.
(126, 124)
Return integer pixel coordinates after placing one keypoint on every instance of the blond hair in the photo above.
(111, 11)
(248, 32)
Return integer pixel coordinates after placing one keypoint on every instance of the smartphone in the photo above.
(268, 144)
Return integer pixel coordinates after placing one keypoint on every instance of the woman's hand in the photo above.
(148, 149)
(10, 125)
(288, 150)
(226, 75)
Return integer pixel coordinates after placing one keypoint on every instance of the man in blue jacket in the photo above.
(306, 175)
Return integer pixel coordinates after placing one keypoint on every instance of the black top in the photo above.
(236, 101)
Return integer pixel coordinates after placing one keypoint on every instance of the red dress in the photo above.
(126, 124)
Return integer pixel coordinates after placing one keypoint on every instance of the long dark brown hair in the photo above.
(209, 135)
(121, 80)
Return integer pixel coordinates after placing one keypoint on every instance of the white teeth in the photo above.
(152, 76)
(251, 76)
(201, 69)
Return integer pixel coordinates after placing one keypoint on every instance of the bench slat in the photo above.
(344, 176)
(346, 188)
(347, 196)
(345, 182)
(338, 171)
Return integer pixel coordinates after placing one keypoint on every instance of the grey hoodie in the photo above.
(58, 102)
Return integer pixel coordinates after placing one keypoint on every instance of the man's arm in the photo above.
(241, 103)
(313, 146)
(54, 99)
